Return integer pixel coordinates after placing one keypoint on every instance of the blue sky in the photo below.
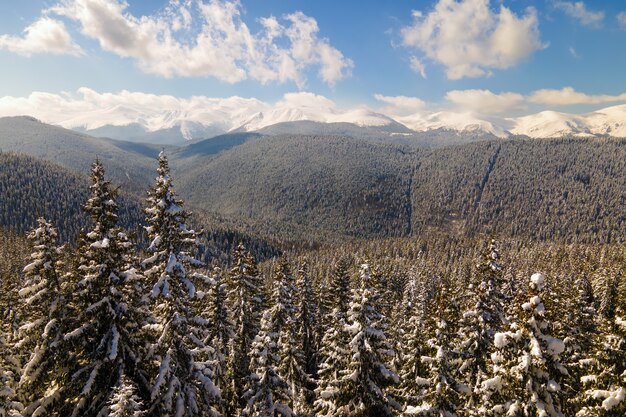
(373, 48)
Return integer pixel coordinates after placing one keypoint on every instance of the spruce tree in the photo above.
(292, 367)
(604, 391)
(182, 385)
(246, 301)
(39, 344)
(125, 402)
(412, 344)
(9, 372)
(528, 368)
(103, 336)
(268, 394)
(479, 324)
(307, 317)
(438, 391)
(334, 351)
(364, 385)
(219, 337)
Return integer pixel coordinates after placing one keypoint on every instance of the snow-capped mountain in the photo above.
(610, 121)
(460, 122)
(201, 121)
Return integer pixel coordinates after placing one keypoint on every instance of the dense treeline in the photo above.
(331, 188)
(429, 326)
(32, 188)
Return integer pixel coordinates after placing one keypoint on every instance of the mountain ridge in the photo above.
(180, 128)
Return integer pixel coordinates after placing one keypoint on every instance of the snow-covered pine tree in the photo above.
(334, 353)
(103, 340)
(527, 364)
(125, 402)
(479, 324)
(581, 345)
(307, 317)
(268, 395)
(9, 372)
(363, 389)
(219, 336)
(181, 385)
(604, 391)
(411, 345)
(438, 390)
(246, 301)
(292, 366)
(39, 343)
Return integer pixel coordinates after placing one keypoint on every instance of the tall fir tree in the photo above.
(219, 334)
(307, 316)
(43, 305)
(528, 367)
(439, 391)
(125, 402)
(413, 341)
(479, 324)
(9, 374)
(268, 394)
(182, 385)
(103, 336)
(334, 350)
(246, 302)
(364, 385)
(292, 367)
(604, 391)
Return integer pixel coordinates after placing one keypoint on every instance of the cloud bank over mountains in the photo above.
(461, 110)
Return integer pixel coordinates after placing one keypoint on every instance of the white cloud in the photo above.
(470, 39)
(573, 52)
(485, 102)
(579, 11)
(568, 96)
(621, 19)
(45, 35)
(209, 39)
(418, 66)
(400, 105)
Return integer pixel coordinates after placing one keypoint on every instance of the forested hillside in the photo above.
(440, 324)
(311, 189)
(32, 188)
(337, 184)
(130, 166)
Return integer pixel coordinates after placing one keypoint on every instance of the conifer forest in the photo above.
(312, 208)
(112, 324)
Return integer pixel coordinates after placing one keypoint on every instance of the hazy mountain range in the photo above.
(177, 127)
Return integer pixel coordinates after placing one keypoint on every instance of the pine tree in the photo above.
(182, 385)
(292, 367)
(9, 370)
(527, 364)
(438, 390)
(246, 301)
(479, 324)
(412, 345)
(306, 319)
(102, 339)
(268, 394)
(364, 386)
(40, 337)
(604, 391)
(125, 402)
(219, 337)
(581, 346)
(334, 350)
